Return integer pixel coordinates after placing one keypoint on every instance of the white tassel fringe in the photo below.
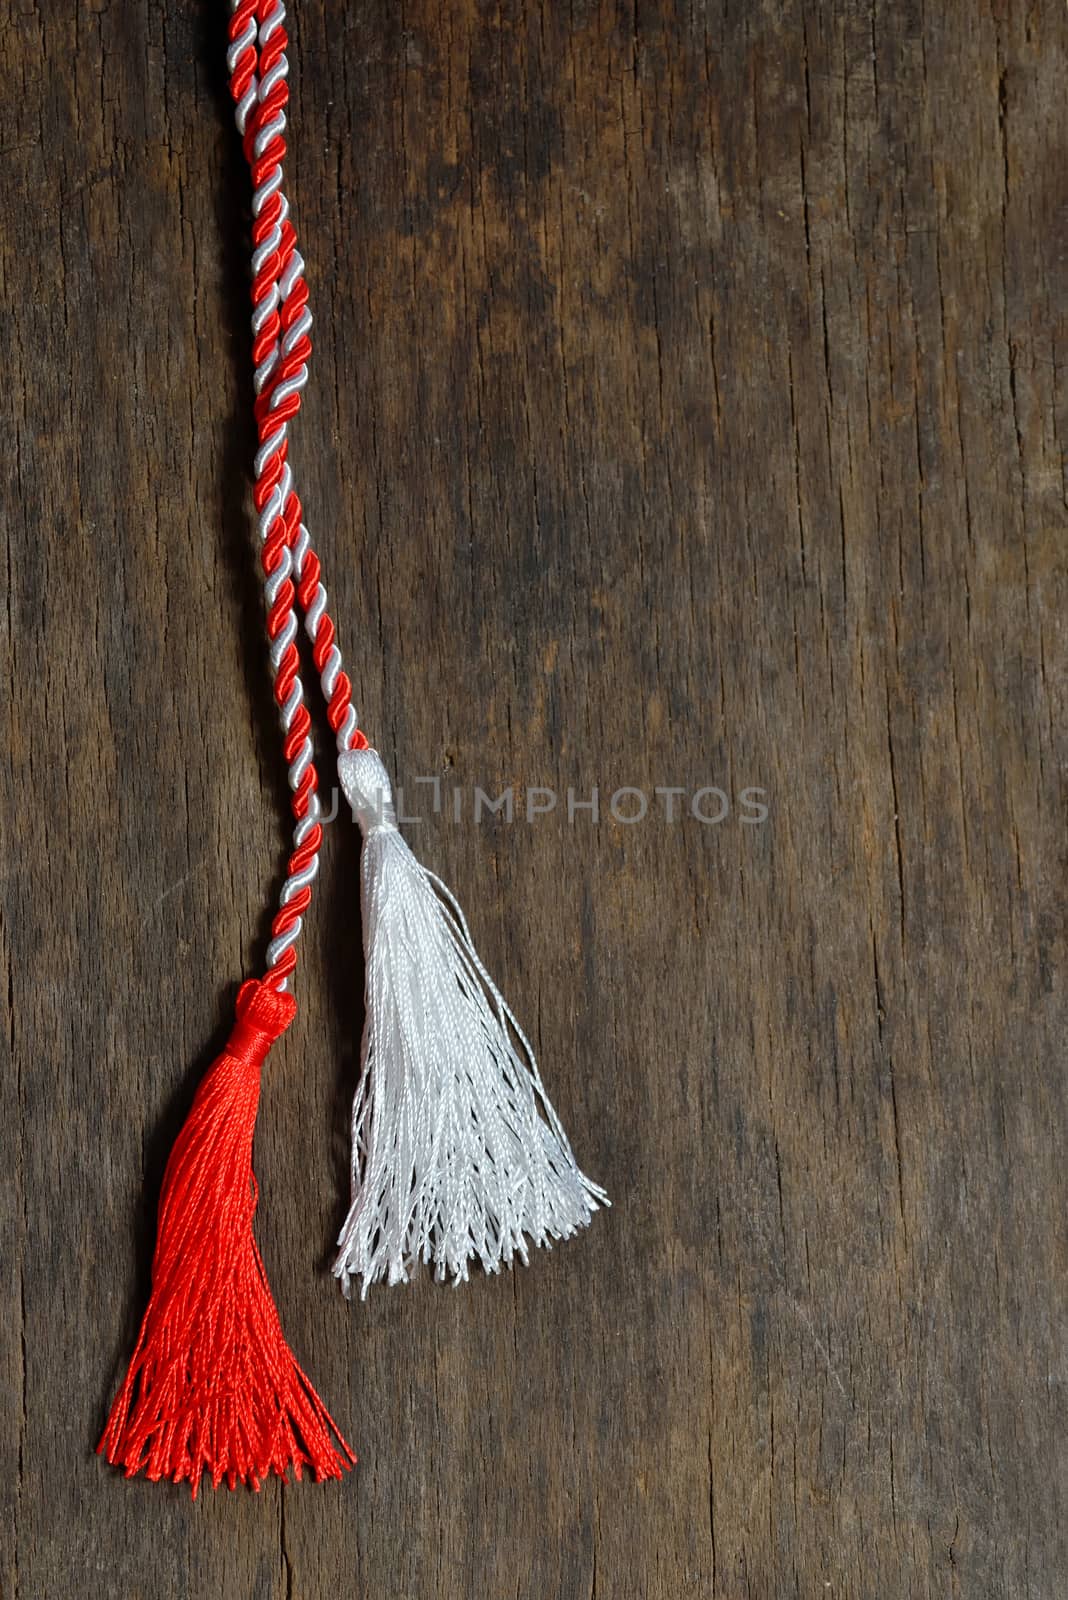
(457, 1154)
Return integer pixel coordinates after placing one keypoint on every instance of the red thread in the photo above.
(213, 1387)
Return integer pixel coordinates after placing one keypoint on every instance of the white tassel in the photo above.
(457, 1154)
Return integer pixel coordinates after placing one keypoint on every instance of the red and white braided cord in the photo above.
(281, 346)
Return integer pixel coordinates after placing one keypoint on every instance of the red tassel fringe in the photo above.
(213, 1387)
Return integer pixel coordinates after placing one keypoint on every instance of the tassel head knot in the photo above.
(263, 1015)
(367, 790)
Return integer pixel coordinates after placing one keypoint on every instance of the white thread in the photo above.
(457, 1152)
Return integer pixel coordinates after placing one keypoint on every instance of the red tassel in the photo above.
(213, 1387)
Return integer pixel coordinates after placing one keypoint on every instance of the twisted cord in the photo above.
(281, 323)
(261, 121)
(295, 320)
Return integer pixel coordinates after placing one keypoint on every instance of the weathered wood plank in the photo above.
(687, 409)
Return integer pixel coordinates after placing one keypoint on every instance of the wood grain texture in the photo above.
(688, 408)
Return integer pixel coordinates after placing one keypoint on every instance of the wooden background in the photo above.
(688, 408)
